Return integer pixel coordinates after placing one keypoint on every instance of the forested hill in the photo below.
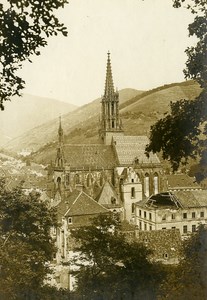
(138, 113)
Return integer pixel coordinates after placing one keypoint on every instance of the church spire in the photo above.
(109, 85)
(60, 159)
(110, 123)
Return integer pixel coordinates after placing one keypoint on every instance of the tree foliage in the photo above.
(181, 134)
(110, 266)
(188, 279)
(24, 28)
(25, 244)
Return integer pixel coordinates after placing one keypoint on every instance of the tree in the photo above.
(25, 244)
(188, 279)
(24, 27)
(110, 266)
(180, 135)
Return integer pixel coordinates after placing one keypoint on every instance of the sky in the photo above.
(146, 40)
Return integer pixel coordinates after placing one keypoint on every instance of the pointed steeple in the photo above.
(60, 159)
(109, 85)
(110, 123)
(60, 132)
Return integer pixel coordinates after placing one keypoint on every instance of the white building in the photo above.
(183, 210)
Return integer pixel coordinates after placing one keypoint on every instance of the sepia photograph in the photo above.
(103, 149)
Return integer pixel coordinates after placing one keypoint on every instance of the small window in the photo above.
(173, 216)
(113, 201)
(185, 229)
(202, 214)
(132, 192)
(145, 214)
(193, 215)
(150, 216)
(140, 213)
(173, 227)
(70, 220)
(163, 228)
(165, 256)
(193, 228)
(132, 179)
(184, 215)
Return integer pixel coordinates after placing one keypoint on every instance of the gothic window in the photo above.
(88, 180)
(77, 178)
(67, 179)
(156, 183)
(101, 180)
(146, 185)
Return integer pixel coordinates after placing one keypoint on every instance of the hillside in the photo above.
(26, 112)
(137, 113)
(40, 135)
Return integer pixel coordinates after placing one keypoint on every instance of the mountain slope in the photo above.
(47, 132)
(26, 112)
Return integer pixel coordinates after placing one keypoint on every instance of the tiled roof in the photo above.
(79, 203)
(130, 147)
(106, 194)
(100, 156)
(179, 181)
(192, 198)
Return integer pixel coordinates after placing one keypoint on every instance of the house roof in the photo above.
(128, 148)
(176, 199)
(187, 199)
(87, 155)
(181, 181)
(79, 203)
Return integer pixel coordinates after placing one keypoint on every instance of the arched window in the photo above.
(88, 181)
(146, 185)
(155, 184)
(77, 178)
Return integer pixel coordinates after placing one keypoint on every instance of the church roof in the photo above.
(90, 156)
(129, 148)
(79, 203)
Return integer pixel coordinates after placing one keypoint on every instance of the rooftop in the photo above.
(129, 148)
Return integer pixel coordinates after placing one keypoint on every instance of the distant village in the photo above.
(114, 176)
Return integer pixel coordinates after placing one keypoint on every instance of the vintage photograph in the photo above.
(103, 149)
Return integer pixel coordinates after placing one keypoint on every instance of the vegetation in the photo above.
(188, 279)
(24, 27)
(112, 266)
(180, 135)
(25, 244)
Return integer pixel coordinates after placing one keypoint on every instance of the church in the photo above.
(116, 172)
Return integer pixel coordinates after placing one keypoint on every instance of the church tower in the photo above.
(110, 123)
